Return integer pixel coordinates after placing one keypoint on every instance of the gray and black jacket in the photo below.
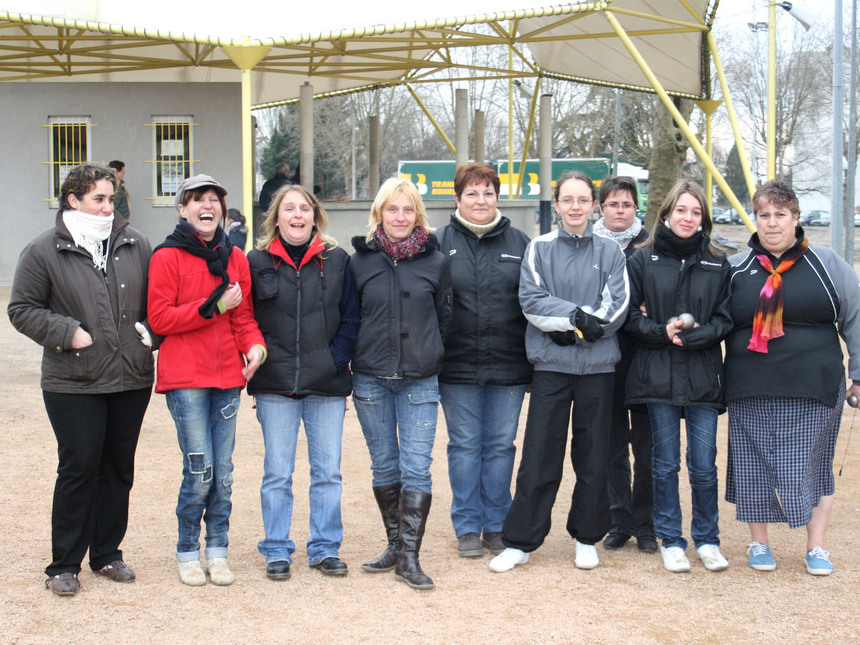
(560, 274)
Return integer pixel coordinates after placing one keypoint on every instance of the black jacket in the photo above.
(300, 313)
(662, 372)
(486, 343)
(405, 310)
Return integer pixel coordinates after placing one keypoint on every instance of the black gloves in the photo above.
(588, 325)
(563, 337)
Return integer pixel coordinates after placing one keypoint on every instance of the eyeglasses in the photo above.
(570, 201)
(616, 206)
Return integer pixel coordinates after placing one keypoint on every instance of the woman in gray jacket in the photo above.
(80, 292)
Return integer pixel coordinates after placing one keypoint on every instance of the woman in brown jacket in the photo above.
(80, 292)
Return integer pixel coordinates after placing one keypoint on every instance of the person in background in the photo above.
(306, 307)
(677, 369)
(630, 504)
(80, 291)
(785, 379)
(573, 291)
(236, 229)
(486, 371)
(212, 347)
(404, 292)
(120, 200)
(270, 187)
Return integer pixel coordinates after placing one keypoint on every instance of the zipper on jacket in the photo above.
(396, 301)
(298, 329)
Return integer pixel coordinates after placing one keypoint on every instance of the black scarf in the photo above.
(187, 238)
(665, 241)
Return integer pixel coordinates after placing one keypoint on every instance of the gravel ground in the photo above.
(629, 598)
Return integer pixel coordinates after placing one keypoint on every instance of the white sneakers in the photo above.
(191, 573)
(711, 557)
(586, 556)
(674, 559)
(508, 559)
(219, 572)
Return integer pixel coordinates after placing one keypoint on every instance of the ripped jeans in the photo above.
(206, 428)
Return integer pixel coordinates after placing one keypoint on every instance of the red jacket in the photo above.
(198, 352)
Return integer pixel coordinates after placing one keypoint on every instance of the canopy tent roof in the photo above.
(345, 46)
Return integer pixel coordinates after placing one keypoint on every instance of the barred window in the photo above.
(173, 160)
(69, 146)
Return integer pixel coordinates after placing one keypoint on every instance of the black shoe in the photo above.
(647, 543)
(278, 570)
(331, 566)
(615, 540)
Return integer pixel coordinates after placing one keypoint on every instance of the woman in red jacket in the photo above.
(196, 287)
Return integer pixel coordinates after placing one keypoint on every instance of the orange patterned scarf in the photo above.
(767, 321)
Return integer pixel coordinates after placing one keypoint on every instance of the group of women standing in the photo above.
(412, 319)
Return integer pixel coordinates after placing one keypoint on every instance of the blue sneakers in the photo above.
(818, 562)
(760, 557)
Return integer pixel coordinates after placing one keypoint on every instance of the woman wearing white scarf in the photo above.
(630, 495)
(80, 292)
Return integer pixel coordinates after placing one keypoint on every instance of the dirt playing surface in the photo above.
(629, 598)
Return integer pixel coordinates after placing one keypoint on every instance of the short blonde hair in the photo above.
(270, 224)
(389, 189)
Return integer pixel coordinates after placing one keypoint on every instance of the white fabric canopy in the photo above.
(344, 45)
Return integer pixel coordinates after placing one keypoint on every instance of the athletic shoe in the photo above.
(508, 559)
(586, 556)
(191, 573)
(711, 557)
(674, 559)
(760, 557)
(219, 571)
(818, 562)
(469, 546)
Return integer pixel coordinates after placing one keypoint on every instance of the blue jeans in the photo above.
(482, 425)
(701, 467)
(279, 417)
(398, 419)
(206, 428)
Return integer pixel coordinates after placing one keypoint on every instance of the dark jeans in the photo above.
(528, 521)
(96, 441)
(630, 500)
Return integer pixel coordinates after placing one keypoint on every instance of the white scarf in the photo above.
(622, 237)
(88, 232)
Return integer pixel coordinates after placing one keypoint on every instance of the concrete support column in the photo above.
(306, 135)
(480, 120)
(461, 126)
(545, 167)
(373, 155)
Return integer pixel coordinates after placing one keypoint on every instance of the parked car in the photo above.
(856, 219)
(719, 215)
(819, 218)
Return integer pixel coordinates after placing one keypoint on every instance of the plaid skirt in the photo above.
(780, 460)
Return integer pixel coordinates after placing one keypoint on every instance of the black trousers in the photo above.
(529, 518)
(630, 502)
(96, 441)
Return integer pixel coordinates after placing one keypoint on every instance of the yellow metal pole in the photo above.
(771, 90)
(246, 57)
(511, 123)
(733, 117)
(709, 107)
(682, 124)
(429, 116)
(529, 129)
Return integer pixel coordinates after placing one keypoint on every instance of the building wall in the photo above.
(119, 115)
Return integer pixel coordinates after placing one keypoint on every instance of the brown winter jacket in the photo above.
(56, 289)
